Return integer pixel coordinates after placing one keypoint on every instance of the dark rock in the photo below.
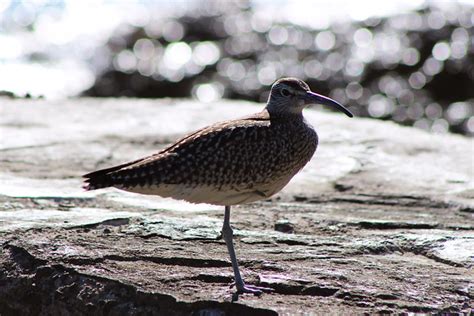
(284, 226)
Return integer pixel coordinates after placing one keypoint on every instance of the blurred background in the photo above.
(409, 61)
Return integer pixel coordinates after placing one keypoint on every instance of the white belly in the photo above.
(211, 194)
(200, 194)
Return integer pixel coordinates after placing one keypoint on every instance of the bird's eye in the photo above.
(285, 92)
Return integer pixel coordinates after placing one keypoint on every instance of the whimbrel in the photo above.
(231, 162)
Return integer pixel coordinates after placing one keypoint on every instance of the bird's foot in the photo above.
(252, 289)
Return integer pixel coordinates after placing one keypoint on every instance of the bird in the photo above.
(229, 163)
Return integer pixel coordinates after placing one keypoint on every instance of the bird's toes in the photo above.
(252, 289)
(256, 290)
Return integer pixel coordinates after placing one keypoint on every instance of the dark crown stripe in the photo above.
(294, 83)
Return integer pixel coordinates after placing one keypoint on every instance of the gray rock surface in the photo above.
(381, 220)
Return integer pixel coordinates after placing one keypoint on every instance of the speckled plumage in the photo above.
(233, 162)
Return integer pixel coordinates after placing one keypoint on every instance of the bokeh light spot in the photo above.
(458, 111)
(354, 68)
(208, 92)
(334, 61)
(177, 55)
(470, 125)
(417, 80)
(313, 68)
(278, 35)
(363, 37)
(354, 90)
(325, 40)
(423, 124)
(144, 48)
(206, 53)
(440, 126)
(432, 66)
(410, 56)
(125, 61)
(380, 106)
(436, 20)
(433, 111)
(172, 31)
(441, 51)
(458, 49)
(267, 75)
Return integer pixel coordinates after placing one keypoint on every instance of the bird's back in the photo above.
(226, 163)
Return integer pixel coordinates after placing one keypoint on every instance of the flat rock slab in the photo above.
(381, 220)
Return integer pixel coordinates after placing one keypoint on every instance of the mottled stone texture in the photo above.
(381, 220)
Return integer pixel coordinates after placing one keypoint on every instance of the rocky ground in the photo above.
(381, 220)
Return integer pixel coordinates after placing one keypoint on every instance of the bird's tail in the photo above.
(103, 178)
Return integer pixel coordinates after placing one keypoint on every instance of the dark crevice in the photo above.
(212, 278)
(441, 260)
(467, 209)
(393, 225)
(173, 261)
(107, 222)
(319, 291)
(388, 200)
(298, 289)
(292, 242)
(23, 259)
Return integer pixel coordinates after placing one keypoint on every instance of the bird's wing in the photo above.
(173, 162)
(245, 121)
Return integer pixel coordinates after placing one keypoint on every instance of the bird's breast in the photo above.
(297, 146)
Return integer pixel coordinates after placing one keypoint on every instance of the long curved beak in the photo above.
(320, 99)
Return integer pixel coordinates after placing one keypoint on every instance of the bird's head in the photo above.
(291, 96)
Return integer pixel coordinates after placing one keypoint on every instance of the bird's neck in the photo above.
(284, 115)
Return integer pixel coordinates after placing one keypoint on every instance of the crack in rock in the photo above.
(385, 199)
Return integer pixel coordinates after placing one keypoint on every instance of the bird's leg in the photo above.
(227, 234)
